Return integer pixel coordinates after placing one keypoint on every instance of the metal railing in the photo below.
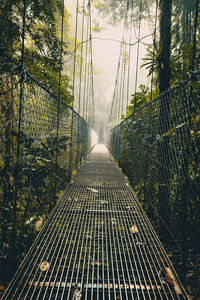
(42, 142)
(158, 148)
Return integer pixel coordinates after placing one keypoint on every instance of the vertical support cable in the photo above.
(120, 86)
(195, 34)
(123, 79)
(129, 59)
(154, 49)
(19, 125)
(151, 96)
(73, 89)
(116, 83)
(91, 61)
(85, 71)
(138, 49)
(115, 94)
(59, 89)
(80, 85)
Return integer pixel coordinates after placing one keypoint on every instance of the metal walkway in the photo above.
(97, 244)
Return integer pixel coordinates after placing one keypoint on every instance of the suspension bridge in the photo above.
(112, 206)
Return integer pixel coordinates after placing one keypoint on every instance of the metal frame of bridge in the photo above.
(97, 244)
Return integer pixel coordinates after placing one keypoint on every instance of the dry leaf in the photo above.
(177, 289)
(170, 280)
(77, 294)
(44, 266)
(169, 277)
(95, 263)
(134, 229)
(104, 202)
(92, 190)
(140, 243)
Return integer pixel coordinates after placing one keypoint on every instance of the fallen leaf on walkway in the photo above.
(77, 294)
(104, 202)
(177, 289)
(134, 229)
(169, 277)
(114, 221)
(169, 254)
(95, 263)
(92, 190)
(44, 266)
(140, 243)
(171, 280)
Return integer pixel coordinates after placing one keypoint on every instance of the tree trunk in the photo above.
(165, 44)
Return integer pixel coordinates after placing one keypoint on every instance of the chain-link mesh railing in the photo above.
(42, 142)
(158, 148)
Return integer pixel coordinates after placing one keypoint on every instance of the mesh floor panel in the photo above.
(97, 244)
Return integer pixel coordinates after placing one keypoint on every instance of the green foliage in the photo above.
(142, 97)
(42, 40)
(115, 10)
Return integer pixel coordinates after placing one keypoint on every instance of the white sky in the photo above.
(106, 55)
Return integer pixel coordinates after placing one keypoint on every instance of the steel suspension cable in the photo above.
(85, 72)
(75, 45)
(59, 87)
(120, 88)
(195, 34)
(80, 85)
(154, 48)
(123, 79)
(116, 83)
(129, 57)
(117, 74)
(19, 124)
(150, 108)
(73, 88)
(91, 60)
(81, 64)
(138, 48)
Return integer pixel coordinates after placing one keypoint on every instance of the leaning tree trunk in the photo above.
(164, 111)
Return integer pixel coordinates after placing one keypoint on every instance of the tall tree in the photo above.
(165, 44)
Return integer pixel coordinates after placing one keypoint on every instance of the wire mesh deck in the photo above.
(97, 244)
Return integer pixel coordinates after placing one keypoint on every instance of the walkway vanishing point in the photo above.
(97, 244)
